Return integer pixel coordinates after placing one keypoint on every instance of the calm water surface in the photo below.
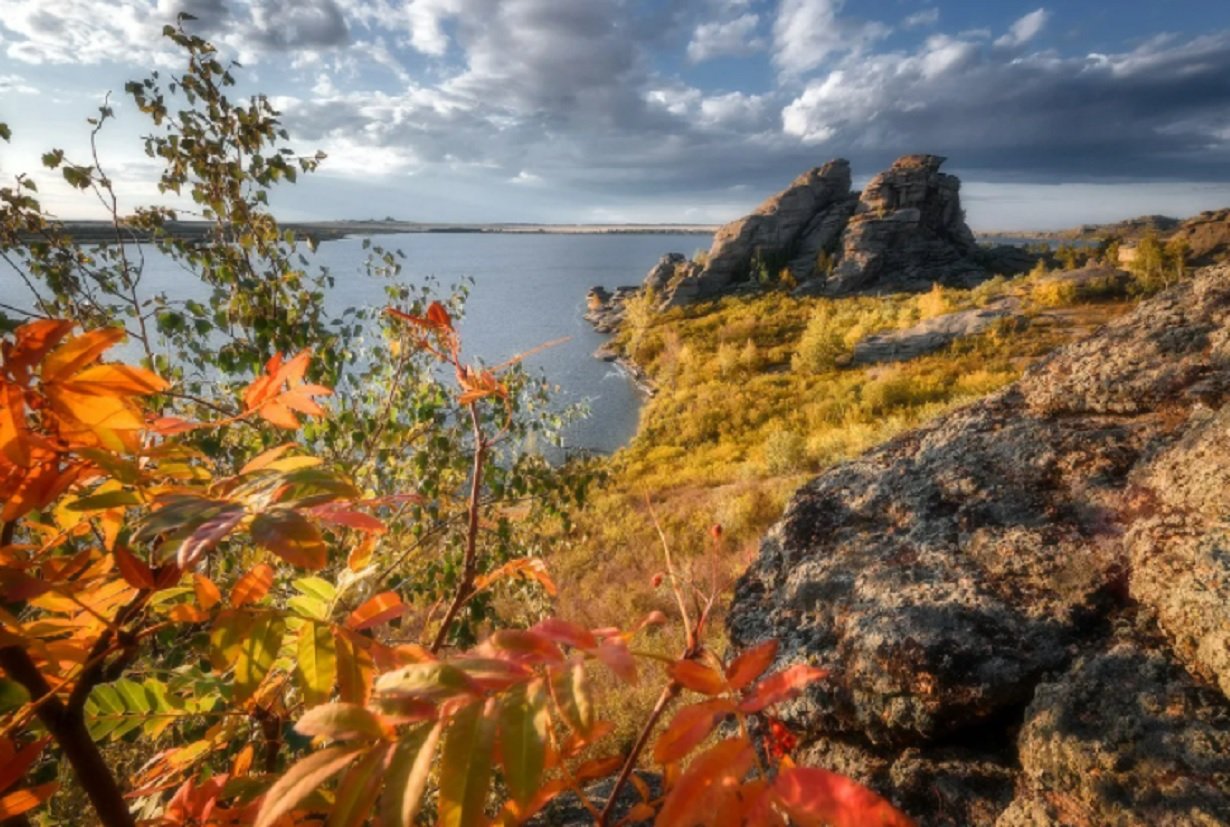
(528, 289)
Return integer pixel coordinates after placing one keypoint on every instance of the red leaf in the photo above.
(781, 686)
(691, 725)
(614, 653)
(709, 781)
(136, 573)
(826, 799)
(569, 634)
(15, 763)
(751, 664)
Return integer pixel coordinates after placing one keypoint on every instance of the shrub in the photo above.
(784, 452)
(935, 302)
(823, 345)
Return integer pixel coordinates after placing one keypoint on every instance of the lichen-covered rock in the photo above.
(946, 575)
(1124, 738)
(907, 232)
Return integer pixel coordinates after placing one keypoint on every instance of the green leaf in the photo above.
(465, 767)
(5, 132)
(248, 640)
(302, 780)
(406, 779)
(12, 695)
(292, 537)
(317, 662)
(523, 739)
(109, 499)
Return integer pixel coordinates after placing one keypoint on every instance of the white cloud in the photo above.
(807, 32)
(16, 85)
(926, 17)
(1025, 29)
(729, 38)
(734, 109)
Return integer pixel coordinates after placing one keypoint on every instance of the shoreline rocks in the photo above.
(1024, 603)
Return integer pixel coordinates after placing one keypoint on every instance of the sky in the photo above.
(602, 111)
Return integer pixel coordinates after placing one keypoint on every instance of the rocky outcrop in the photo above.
(904, 232)
(1206, 236)
(790, 228)
(605, 309)
(935, 333)
(908, 232)
(1035, 587)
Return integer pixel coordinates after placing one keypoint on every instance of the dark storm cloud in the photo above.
(1159, 111)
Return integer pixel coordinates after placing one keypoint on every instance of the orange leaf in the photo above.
(698, 677)
(207, 594)
(14, 804)
(32, 342)
(691, 725)
(79, 351)
(598, 768)
(355, 668)
(826, 799)
(781, 686)
(291, 536)
(252, 586)
(275, 413)
(531, 568)
(379, 609)
(751, 664)
(263, 459)
(118, 380)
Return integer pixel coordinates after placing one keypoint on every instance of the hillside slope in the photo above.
(1025, 604)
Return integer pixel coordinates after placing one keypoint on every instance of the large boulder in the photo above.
(948, 576)
(908, 232)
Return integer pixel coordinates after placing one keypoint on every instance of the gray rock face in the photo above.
(1126, 738)
(908, 232)
(935, 333)
(947, 575)
(787, 228)
(905, 232)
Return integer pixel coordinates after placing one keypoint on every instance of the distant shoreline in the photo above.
(103, 231)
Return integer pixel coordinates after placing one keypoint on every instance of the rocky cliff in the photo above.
(1025, 605)
(905, 231)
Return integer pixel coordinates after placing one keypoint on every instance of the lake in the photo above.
(528, 289)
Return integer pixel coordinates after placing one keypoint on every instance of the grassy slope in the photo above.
(742, 418)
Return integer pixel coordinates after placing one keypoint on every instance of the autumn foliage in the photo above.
(221, 602)
(119, 543)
